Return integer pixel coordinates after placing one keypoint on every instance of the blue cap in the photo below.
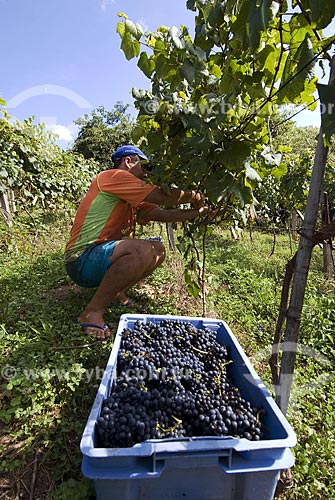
(129, 149)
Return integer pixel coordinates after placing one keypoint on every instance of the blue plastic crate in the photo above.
(198, 468)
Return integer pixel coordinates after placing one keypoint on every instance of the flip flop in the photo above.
(104, 328)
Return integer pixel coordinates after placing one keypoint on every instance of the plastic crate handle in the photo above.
(151, 467)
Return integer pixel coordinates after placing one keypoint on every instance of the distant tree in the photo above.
(303, 142)
(103, 131)
(285, 181)
(286, 178)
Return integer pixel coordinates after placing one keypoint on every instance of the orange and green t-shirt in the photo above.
(108, 211)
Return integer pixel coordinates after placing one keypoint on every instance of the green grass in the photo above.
(46, 404)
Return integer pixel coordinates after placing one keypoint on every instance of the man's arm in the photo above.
(174, 215)
(176, 197)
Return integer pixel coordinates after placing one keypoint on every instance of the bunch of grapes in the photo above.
(172, 382)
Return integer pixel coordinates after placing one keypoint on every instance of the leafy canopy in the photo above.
(206, 118)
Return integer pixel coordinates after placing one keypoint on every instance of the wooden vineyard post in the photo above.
(328, 262)
(5, 210)
(302, 264)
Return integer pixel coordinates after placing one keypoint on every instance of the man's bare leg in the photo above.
(122, 297)
(132, 260)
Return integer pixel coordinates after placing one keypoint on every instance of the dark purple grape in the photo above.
(172, 381)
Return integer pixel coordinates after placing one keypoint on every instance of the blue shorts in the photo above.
(89, 269)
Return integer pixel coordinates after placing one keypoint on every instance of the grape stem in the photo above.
(170, 429)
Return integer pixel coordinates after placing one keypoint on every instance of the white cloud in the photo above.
(106, 3)
(64, 133)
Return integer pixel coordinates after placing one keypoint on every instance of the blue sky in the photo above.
(61, 59)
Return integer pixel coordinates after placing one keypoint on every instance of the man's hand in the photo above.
(208, 212)
(197, 200)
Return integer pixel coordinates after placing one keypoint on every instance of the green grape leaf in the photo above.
(121, 28)
(257, 21)
(327, 99)
(299, 67)
(133, 29)
(137, 133)
(188, 71)
(175, 36)
(216, 15)
(243, 193)
(191, 4)
(218, 187)
(321, 11)
(235, 155)
(130, 47)
(279, 171)
(146, 64)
